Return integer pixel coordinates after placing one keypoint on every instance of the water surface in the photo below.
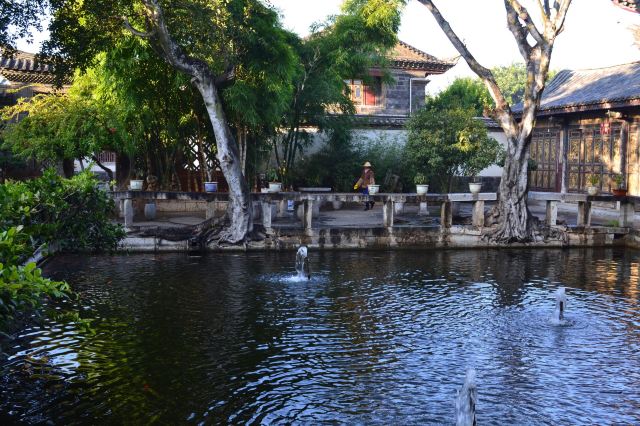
(373, 338)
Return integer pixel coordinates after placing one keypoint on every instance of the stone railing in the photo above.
(625, 214)
(307, 200)
(215, 201)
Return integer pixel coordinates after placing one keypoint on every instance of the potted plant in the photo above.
(136, 183)
(592, 188)
(274, 183)
(421, 184)
(619, 190)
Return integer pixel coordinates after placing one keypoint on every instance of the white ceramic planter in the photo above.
(374, 189)
(136, 184)
(592, 190)
(475, 187)
(211, 187)
(422, 189)
(275, 187)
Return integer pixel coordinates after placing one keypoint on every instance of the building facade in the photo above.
(588, 124)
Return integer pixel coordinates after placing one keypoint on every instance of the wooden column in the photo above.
(552, 213)
(446, 215)
(564, 151)
(624, 143)
(477, 216)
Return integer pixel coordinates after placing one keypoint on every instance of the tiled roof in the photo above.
(22, 67)
(591, 89)
(408, 57)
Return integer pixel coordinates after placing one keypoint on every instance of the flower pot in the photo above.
(619, 192)
(150, 211)
(264, 190)
(422, 189)
(211, 187)
(275, 187)
(475, 187)
(592, 190)
(136, 184)
(374, 189)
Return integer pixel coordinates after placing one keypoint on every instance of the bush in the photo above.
(22, 288)
(71, 212)
(444, 143)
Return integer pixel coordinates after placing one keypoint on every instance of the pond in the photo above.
(374, 338)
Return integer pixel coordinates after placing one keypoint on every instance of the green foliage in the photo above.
(463, 93)
(22, 287)
(74, 213)
(18, 19)
(512, 80)
(347, 46)
(594, 180)
(420, 179)
(450, 142)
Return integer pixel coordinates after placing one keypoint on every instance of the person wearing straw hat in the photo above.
(367, 178)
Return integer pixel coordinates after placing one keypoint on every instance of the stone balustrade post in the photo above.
(627, 213)
(446, 214)
(307, 214)
(584, 213)
(551, 216)
(388, 211)
(128, 212)
(266, 215)
(477, 216)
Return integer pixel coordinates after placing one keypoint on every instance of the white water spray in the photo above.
(561, 305)
(302, 263)
(466, 401)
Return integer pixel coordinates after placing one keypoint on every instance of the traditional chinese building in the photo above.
(588, 124)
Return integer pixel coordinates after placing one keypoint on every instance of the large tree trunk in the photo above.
(515, 224)
(240, 207)
(515, 218)
(123, 170)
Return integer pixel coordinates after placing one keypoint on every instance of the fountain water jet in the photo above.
(302, 263)
(561, 304)
(466, 401)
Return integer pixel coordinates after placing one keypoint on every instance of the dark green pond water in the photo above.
(373, 338)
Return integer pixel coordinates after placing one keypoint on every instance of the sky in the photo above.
(596, 32)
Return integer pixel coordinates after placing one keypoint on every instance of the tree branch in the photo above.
(518, 31)
(561, 14)
(502, 112)
(524, 16)
(141, 34)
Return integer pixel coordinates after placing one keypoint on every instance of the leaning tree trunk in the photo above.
(240, 208)
(515, 218)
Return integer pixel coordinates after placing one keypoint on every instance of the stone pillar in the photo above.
(398, 207)
(552, 213)
(446, 215)
(128, 213)
(307, 214)
(424, 209)
(627, 213)
(388, 211)
(282, 208)
(584, 213)
(477, 216)
(266, 215)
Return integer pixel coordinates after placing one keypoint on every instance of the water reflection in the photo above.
(374, 337)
